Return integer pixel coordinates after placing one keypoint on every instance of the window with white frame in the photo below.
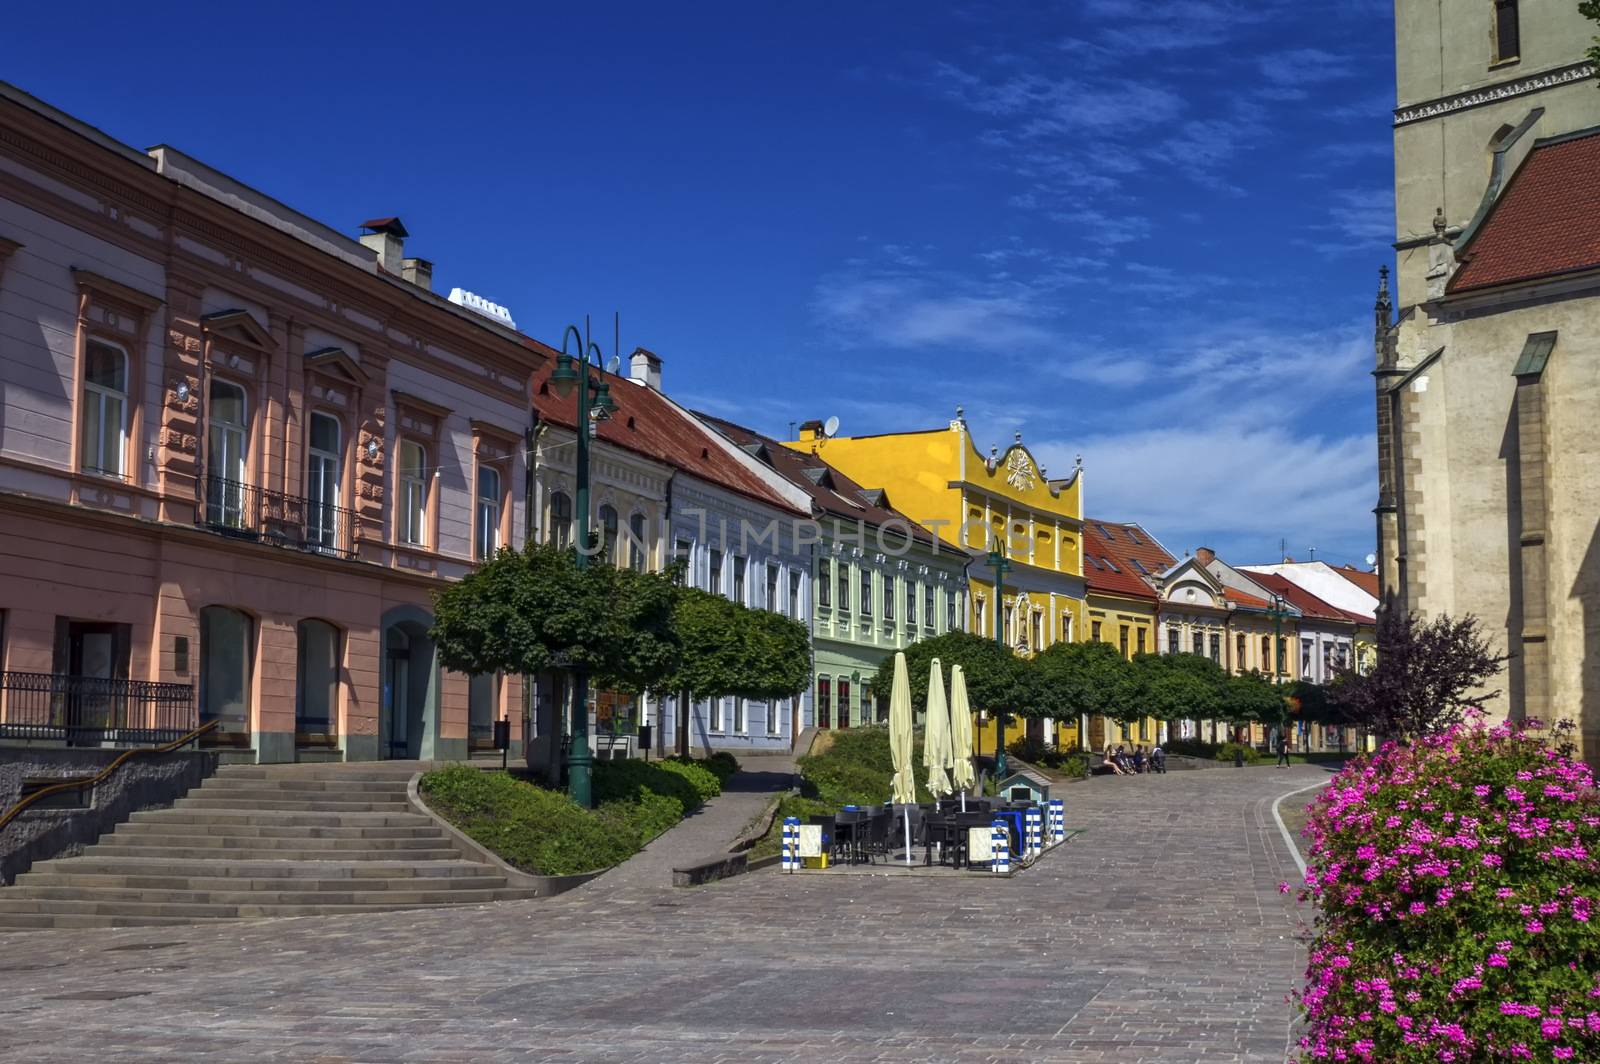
(560, 519)
(638, 549)
(843, 569)
(324, 465)
(865, 606)
(227, 430)
(714, 573)
(794, 595)
(774, 601)
(927, 605)
(740, 565)
(103, 447)
(911, 603)
(775, 712)
(825, 583)
(718, 714)
(888, 597)
(488, 514)
(413, 477)
(740, 715)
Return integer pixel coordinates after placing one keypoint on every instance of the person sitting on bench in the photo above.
(1138, 759)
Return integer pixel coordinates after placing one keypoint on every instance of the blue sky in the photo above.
(1145, 231)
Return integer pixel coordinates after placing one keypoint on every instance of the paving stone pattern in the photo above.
(1156, 936)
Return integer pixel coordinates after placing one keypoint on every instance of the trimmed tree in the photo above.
(528, 611)
(728, 650)
(997, 680)
(1428, 673)
(1079, 679)
(1181, 686)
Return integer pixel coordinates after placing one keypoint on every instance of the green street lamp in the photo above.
(1278, 613)
(1001, 566)
(594, 406)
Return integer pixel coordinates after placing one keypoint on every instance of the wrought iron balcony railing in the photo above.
(237, 509)
(91, 710)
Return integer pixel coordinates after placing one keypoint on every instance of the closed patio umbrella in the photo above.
(904, 786)
(936, 755)
(961, 735)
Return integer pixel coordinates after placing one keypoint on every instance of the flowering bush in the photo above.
(1458, 880)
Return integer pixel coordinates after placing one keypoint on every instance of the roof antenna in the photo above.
(1313, 552)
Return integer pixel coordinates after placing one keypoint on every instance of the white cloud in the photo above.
(1238, 489)
(901, 311)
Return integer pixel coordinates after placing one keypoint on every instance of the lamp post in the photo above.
(594, 406)
(1001, 566)
(1278, 615)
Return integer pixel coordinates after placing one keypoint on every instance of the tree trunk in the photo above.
(683, 724)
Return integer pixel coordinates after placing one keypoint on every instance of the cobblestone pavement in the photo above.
(1156, 936)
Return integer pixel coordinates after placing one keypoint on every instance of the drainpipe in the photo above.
(666, 521)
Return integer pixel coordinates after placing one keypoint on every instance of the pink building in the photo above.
(239, 452)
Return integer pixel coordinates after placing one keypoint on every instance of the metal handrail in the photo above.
(79, 784)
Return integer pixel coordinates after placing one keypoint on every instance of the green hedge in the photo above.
(1226, 752)
(543, 832)
(1063, 762)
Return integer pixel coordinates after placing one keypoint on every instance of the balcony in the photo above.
(94, 710)
(244, 511)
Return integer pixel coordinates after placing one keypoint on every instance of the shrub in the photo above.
(1193, 748)
(723, 764)
(1228, 752)
(687, 781)
(1456, 880)
(1062, 762)
(538, 831)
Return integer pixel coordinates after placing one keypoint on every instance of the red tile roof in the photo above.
(646, 423)
(1308, 604)
(1131, 543)
(1235, 597)
(833, 493)
(1106, 569)
(1546, 222)
(1366, 581)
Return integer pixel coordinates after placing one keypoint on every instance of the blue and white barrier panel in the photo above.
(791, 844)
(1035, 823)
(1000, 847)
(1058, 821)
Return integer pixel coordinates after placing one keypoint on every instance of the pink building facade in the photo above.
(239, 453)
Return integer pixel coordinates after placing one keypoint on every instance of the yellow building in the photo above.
(1003, 502)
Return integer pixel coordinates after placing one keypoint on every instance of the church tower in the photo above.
(1488, 448)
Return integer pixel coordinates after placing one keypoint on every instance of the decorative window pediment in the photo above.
(335, 363)
(419, 417)
(237, 327)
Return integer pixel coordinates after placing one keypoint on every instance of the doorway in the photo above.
(408, 717)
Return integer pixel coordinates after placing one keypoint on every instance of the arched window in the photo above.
(316, 678)
(323, 465)
(488, 516)
(638, 549)
(225, 663)
(105, 410)
(608, 533)
(413, 483)
(227, 430)
(561, 519)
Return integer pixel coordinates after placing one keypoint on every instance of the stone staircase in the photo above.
(261, 840)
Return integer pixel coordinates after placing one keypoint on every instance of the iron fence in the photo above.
(94, 710)
(244, 510)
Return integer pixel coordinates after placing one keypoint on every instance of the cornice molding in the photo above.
(1505, 90)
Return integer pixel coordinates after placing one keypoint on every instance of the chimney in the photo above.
(644, 367)
(387, 237)
(1205, 556)
(418, 272)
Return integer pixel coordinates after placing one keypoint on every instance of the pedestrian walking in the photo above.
(1283, 751)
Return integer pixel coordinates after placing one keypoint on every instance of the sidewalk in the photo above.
(707, 832)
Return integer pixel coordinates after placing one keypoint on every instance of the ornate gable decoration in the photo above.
(237, 327)
(336, 364)
(1020, 473)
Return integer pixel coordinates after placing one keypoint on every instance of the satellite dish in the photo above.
(830, 427)
(1372, 559)
(614, 364)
